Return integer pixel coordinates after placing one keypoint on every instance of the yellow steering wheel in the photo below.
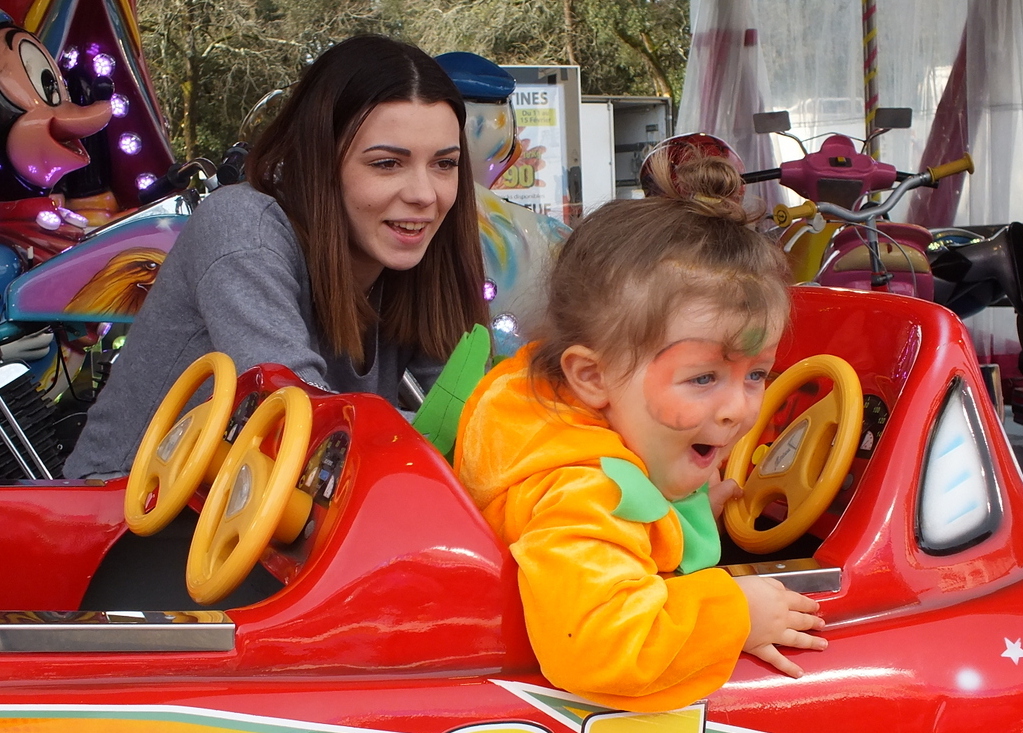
(805, 465)
(254, 498)
(174, 456)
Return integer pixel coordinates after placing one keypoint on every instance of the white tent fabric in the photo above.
(807, 57)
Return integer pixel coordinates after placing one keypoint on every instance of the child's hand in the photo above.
(721, 493)
(779, 616)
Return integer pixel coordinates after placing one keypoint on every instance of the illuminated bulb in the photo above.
(119, 105)
(144, 181)
(72, 217)
(49, 220)
(505, 323)
(103, 64)
(489, 290)
(130, 143)
(70, 58)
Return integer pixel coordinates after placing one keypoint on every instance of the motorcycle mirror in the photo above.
(893, 118)
(764, 122)
(259, 112)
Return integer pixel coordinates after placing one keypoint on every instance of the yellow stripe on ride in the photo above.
(688, 720)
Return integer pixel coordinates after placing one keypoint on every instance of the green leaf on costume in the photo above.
(438, 416)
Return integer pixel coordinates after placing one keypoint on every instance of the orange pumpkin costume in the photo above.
(607, 616)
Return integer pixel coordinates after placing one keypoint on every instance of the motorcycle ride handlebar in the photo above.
(771, 174)
(949, 169)
(232, 168)
(784, 215)
(177, 178)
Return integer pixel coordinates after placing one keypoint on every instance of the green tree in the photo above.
(633, 46)
(204, 57)
(211, 60)
(621, 46)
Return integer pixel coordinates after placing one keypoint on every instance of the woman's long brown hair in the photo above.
(297, 160)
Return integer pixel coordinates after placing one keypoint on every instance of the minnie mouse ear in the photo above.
(680, 148)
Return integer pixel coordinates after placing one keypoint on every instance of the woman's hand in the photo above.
(779, 616)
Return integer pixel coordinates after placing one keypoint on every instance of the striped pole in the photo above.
(870, 99)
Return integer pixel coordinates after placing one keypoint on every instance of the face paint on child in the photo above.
(666, 404)
(683, 409)
(752, 340)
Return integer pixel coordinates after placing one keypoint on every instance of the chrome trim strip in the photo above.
(804, 575)
(116, 631)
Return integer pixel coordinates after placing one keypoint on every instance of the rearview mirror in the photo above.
(764, 122)
(893, 118)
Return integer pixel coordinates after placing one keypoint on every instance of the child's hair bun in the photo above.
(707, 181)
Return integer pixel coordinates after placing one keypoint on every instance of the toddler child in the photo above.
(594, 451)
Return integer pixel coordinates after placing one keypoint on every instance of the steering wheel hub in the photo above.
(254, 499)
(805, 466)
(173, 456)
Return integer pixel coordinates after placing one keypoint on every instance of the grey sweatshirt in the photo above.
(235, 281)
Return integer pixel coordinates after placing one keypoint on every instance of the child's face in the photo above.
(690, 401)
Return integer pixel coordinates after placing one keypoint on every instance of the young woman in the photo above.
(350, 255)
(594, 451)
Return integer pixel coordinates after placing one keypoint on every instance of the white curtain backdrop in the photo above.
(958, 65)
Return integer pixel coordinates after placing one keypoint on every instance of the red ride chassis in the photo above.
(400, 610)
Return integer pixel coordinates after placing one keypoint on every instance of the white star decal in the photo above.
(1013, 650)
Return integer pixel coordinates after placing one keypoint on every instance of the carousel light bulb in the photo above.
(119, 105)
(506, 323)
(49, 220)
(130, 143)
(489, 290)
(72, 217)
(144, 181)
(103, 64)
(70, 58)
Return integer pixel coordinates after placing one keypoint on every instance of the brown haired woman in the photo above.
(351, 255)
(594, 451)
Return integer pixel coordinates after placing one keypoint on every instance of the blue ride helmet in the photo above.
(489, 115)
(477, 78)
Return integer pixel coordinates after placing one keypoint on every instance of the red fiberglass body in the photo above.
(398, 608)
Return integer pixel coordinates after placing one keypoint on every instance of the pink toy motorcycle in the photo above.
(840, 236)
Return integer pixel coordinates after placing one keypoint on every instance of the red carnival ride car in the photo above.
(387, 604)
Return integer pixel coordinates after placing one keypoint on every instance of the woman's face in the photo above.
(399, 179)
